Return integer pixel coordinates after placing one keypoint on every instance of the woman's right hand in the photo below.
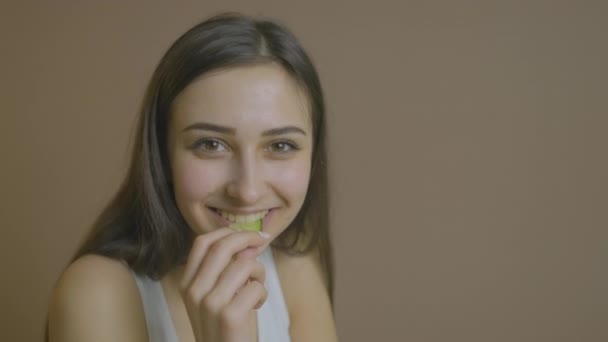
(223, 285)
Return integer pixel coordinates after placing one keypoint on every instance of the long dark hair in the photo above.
(142, 224)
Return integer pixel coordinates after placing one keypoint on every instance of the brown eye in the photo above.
(209, 145)
(283, 147)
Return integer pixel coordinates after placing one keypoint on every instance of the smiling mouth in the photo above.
(235, 218)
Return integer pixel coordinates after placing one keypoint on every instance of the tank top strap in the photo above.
(158, 317)
(273, 316)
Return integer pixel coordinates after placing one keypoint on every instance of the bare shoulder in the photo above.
(306, 296)
(96, 299)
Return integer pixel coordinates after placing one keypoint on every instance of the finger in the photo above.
(235, 277)
(217, 258)
(199, 249)
(248, 253)
(250, 297)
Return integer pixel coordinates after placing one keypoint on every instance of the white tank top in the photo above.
(273, 317)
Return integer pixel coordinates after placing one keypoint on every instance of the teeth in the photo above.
(242, 218)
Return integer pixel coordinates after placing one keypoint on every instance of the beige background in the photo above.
(468, 155)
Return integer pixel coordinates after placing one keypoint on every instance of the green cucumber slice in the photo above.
(255, 226)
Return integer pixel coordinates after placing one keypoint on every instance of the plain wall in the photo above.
(467, 144)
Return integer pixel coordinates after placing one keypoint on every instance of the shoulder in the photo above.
(306, 296)
(292, 267)
(96, 299)
(301, 279)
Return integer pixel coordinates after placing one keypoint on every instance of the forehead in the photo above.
(245, 97)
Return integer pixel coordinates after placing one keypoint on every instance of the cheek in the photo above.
(292, 181)
(192, 180)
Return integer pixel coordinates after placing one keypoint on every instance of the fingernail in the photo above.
(264, 235)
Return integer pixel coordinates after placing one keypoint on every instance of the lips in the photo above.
(224, 222)
(266, 219)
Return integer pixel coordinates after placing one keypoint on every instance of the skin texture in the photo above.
(215, 296)
(245, 171)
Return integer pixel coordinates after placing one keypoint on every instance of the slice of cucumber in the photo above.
(255, 226)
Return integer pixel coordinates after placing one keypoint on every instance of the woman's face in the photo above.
(240, 144)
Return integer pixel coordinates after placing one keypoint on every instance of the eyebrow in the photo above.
(232, 131)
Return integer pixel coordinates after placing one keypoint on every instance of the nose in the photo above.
(245, 186)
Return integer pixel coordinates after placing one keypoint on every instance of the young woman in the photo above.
(220, 230)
